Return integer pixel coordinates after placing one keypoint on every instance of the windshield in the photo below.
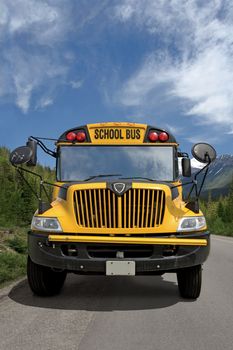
(83, 162)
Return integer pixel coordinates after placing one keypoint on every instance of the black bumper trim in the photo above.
(50, 254)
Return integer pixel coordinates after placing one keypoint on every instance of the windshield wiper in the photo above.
(137, 177)
(101, 175)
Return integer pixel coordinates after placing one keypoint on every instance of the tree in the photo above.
(17, 202)
(229, 206)
(220, 210)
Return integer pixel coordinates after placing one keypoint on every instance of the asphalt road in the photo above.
(96, 312)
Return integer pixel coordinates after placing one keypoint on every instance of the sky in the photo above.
(65, 63)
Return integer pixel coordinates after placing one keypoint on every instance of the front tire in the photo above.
(42, 280)
(189, 282)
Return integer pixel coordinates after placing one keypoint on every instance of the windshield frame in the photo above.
(58, 161)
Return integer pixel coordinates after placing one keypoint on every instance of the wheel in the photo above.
(189, 282)
(42, 280)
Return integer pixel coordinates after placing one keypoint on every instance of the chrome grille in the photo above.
(136, 208)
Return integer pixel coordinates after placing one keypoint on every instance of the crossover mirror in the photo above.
(21, 155)
(203, 152)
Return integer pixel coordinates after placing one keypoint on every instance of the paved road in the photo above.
(100, 313)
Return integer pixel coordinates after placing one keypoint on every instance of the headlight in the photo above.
(191, 224)
(46, 224)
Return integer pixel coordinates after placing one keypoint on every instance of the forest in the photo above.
(17, 205)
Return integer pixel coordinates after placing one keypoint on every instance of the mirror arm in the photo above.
(41, 188)
(43, 182)
(206, 168)
(43, 147)
(197, 193)
(20, 171)
(203, 181)
(194, 181)
(27, 183)
(27, 171)
(186, 183)
(197, 173)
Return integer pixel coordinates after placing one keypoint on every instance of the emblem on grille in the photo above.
(119, 187)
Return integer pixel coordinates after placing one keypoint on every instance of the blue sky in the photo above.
(66, 63)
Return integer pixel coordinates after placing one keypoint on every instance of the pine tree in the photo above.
(229, 205)
(220, 210)
(17, 202)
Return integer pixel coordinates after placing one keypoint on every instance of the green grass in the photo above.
(218, 227)
(12, 266)
(13, 254)
(18, 244)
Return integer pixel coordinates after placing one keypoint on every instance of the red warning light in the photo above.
(71, 136)
(81, 136)
(153, 136)
(163, 136)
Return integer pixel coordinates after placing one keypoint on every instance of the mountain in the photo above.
(220, 175)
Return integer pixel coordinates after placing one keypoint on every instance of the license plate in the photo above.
(120, 268)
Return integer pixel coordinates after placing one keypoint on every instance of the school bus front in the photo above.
(118, 209)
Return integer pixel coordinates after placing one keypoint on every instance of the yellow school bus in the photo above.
(118, 207)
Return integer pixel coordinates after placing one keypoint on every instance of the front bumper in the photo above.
(89, 255)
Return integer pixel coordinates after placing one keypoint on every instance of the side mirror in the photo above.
(20, 155)
(186, 167)
(33, 145)
(204, 153)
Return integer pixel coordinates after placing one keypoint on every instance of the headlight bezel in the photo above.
(192, 224)
(42, 223)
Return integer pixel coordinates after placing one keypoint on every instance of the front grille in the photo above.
(124, 250)
(102, 208)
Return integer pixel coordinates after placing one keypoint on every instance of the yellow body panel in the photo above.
(64, 210)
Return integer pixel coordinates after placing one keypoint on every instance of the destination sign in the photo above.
(117, 134)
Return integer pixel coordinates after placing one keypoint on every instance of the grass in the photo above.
(218, 227)
(13, 254)
(12, 266)
(18, 244)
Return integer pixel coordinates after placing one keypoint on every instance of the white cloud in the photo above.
(28, 72)
(44, 102)
(125, 11)
(23, 97)
(174, 129)
(207, 84)
(197, 165)
(30, 33)
(198, 71)
(34, 55)
(205, 136)
(43, 21)
(76, 84)
(152, 75)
